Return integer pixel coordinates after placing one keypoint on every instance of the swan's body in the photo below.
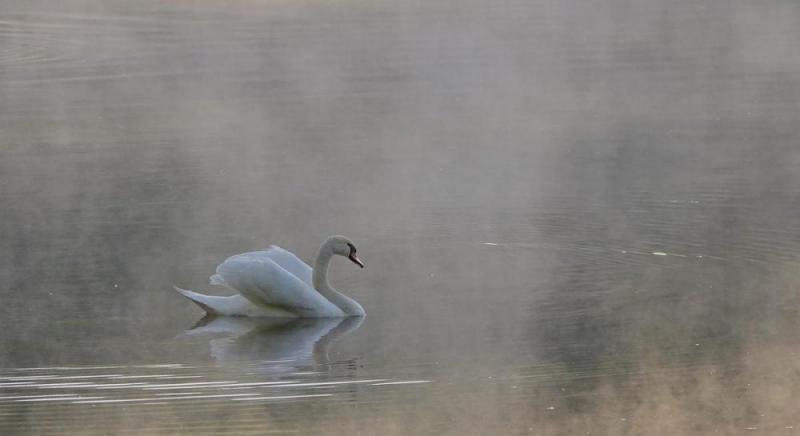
(276, 283)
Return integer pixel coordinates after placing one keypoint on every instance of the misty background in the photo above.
(575, 215)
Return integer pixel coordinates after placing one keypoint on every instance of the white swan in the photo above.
(276, 283)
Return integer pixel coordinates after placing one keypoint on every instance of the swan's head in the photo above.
(345, 247)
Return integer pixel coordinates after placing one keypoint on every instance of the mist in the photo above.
(576, 217)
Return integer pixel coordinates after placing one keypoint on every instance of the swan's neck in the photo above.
(320, 279)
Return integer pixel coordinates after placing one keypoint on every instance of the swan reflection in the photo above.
(276, 344)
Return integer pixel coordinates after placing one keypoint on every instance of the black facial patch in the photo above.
(352, 248)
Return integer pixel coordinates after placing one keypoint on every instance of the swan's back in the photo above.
(285, 259)
(275, 278)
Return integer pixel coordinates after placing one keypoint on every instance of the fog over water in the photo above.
(577, 217)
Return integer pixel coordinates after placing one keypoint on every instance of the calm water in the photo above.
(577, 218)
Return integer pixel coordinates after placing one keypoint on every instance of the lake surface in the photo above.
(577, 218)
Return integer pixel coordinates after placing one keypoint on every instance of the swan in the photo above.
(276, 283)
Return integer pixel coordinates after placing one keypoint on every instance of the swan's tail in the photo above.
(234, 305)
(212, 305)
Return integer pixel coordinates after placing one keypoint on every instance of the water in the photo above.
(576, 218)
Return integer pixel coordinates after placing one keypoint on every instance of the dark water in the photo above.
(577, 218)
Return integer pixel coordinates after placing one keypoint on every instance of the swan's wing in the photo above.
(265, 283)
(288, 261)
(285, 259)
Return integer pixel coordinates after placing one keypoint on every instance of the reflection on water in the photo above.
(575, 218)
(264, 361)
(274, 340)
(36, 391)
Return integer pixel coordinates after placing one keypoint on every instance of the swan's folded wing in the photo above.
(285, 259)
(264, 282)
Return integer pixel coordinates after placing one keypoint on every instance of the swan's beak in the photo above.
(356, 260)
